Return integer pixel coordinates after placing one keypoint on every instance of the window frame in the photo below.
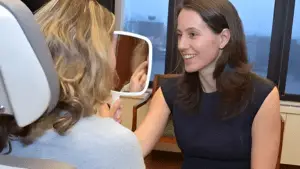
(280, 47)
(171, 62)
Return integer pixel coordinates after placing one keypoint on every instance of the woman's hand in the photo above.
(113, 111)
(139, 77)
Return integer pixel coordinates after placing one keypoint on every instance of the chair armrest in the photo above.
(135, 109)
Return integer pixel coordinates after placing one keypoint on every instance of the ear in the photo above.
(224, 38)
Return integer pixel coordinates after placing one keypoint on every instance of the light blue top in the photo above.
(93, 143)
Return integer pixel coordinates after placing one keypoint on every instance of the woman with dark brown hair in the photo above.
(224, 115)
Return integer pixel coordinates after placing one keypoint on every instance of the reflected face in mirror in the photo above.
(131, 63)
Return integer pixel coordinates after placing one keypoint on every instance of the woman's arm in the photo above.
(266, 131)
(152, 127)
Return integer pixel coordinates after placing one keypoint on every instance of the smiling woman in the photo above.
(209, 44)
(224, 115)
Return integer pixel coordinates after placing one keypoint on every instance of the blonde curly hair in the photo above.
(79, 34)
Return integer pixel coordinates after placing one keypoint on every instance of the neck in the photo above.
(207, 81)
(206, 78)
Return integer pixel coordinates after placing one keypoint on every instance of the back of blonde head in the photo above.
(78, 33)
(140, 54)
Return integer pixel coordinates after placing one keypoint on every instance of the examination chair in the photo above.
(29, 85)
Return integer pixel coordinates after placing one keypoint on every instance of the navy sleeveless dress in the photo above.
(206, 141)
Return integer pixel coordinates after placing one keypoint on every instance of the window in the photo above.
(293, 75)
(258, 30)
(149, 18)
(273, 41)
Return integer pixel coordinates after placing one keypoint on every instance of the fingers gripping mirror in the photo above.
(133, 55)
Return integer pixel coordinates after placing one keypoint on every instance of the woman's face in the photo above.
(198, 44)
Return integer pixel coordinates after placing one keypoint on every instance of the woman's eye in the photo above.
(192, 35)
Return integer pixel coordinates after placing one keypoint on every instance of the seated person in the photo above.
(76, 131)
(224, 115)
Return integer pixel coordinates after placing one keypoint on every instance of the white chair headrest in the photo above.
(29, 85)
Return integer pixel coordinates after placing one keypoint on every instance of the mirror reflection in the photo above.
(131, 63)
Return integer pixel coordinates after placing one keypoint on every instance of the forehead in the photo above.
(189, 18)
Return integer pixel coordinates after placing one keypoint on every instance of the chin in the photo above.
(191, 69)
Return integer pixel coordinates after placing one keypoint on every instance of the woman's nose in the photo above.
(182, 43)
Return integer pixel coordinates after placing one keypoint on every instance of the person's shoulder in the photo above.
(262, 84)
(261, 89)
(93, 142)
(112, 141)
(169, 86)
(106, 127)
